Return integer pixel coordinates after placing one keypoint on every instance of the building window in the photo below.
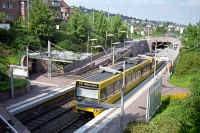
(4, 5)
(7, 4)
(55, 3)
(10, 17)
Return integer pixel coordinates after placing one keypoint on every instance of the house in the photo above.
(13, 9)
(61, 7)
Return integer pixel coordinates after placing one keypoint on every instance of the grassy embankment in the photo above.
(175, 115)
(13, 57)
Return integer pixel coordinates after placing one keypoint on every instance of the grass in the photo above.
(5, 85)
(182, 82)
(175, 115)
(186, 69)
(163, 122)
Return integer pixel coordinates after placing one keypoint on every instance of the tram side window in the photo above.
(128, 77)
(133, 75)
(107, 92)
(138, 74)
(117, 86)
(103, 94)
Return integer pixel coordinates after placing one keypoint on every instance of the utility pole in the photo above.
(12, 82)
(93, 16)
(106, 41)
(27, 61)
(88, 42)
(122, 99)
(113, 62)
(28, 12)
(49, 61)
(155, 60)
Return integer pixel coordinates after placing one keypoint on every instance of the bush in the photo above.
(5, 85)
(25, 40)
(66, 44)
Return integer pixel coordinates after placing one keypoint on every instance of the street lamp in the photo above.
(88, 42)
(122, 98)
(148, 26)
(155, 59)
(108, 35)
(113, 52)
(126, 35)
(94, 39)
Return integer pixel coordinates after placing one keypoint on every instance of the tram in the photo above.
(104, 87)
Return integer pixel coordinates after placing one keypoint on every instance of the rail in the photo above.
(13, 130)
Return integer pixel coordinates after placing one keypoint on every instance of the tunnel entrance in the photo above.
(161, 45)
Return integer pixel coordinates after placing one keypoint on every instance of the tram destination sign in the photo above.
(85, 84)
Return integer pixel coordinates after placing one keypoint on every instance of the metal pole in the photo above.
(122, 99)
(106, 41)
(27, 61)
(28, 6)
(91, 52)
(155, 60)
(49, 61)
(88, 42)
(12, 82)
(93, 16)
(124, 43)
(113, 55)
(148, 104)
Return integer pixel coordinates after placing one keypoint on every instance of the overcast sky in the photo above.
(179, 11)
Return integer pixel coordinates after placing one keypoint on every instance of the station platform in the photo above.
(42, 89)
(135, 106)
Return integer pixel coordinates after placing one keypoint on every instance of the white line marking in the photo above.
(43, 83)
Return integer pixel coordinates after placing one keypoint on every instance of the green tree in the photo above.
(41, 21)
(191, 36)
(78, 28)
(3, 66)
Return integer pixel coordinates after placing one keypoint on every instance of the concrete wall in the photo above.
(79, 67)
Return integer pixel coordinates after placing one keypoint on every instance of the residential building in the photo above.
(13, 9)
(60, 7)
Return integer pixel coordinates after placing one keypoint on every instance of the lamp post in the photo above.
(109, 35)
(88, 42)
(94, 39)
(113, 52)
(122, 98)
(148, 26)
(126, 35)
(155, 60)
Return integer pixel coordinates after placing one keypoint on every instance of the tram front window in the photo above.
(87, 92)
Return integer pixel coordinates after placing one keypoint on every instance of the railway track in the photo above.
(55, 116)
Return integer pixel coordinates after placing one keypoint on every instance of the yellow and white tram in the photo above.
(104, 87)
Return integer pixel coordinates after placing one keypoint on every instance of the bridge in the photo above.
(161, 42)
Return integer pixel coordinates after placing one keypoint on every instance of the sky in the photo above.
(178, 11)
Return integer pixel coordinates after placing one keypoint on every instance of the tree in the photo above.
(78, 28)
(3, 66)
(41, 21)
(191, 36)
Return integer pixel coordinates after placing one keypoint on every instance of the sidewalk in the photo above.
(169, 89)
